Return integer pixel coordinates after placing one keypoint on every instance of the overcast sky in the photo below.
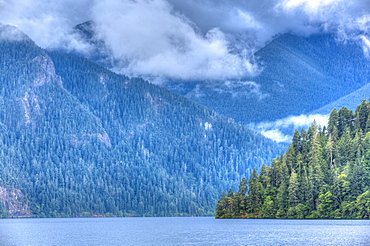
(187, 39)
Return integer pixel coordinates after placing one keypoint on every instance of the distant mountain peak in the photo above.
(12, 33)
(86, 30)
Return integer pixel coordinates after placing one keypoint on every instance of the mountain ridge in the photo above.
(81, 140)
(300, 74)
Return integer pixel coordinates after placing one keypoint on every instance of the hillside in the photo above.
(325, 173)
(299, 75)
(79, 140)
(349, 101)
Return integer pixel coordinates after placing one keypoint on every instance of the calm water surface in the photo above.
(182, 231)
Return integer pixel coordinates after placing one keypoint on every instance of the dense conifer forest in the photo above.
(325, 173)
(79, 140)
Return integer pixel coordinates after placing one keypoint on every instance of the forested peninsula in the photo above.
(325, 173)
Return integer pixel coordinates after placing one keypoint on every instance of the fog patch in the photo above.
(282, 130)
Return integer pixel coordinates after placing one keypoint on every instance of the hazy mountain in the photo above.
(77, 139)
(350, 101)
(298, 75)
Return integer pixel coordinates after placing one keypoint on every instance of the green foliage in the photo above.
(363, 205)
(79, 140)
(323, 174)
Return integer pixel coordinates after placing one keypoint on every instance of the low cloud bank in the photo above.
(209, 39)
(282, 129)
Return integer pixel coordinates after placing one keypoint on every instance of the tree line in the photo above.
(325, 173)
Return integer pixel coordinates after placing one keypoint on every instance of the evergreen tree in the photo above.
(333, 125)
(293, 189)
(255, 194)
(323, 174)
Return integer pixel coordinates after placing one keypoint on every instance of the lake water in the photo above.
(182, 231)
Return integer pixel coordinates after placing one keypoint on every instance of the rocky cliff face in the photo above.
(14, 202)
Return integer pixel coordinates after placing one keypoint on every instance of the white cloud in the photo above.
(249, 20)
(310, 6)
(276, 130)
(297, 121)
(154, 40)
(11, 33)
(277, 135)
(235, 88)
(208, 39)
(366, 45)
(45, 22)
(363, 23)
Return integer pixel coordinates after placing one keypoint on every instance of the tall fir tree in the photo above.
(325, 173)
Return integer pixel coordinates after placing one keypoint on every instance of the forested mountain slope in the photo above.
(325, 173)
(298, 75)
(77, 139)
(349, 101)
